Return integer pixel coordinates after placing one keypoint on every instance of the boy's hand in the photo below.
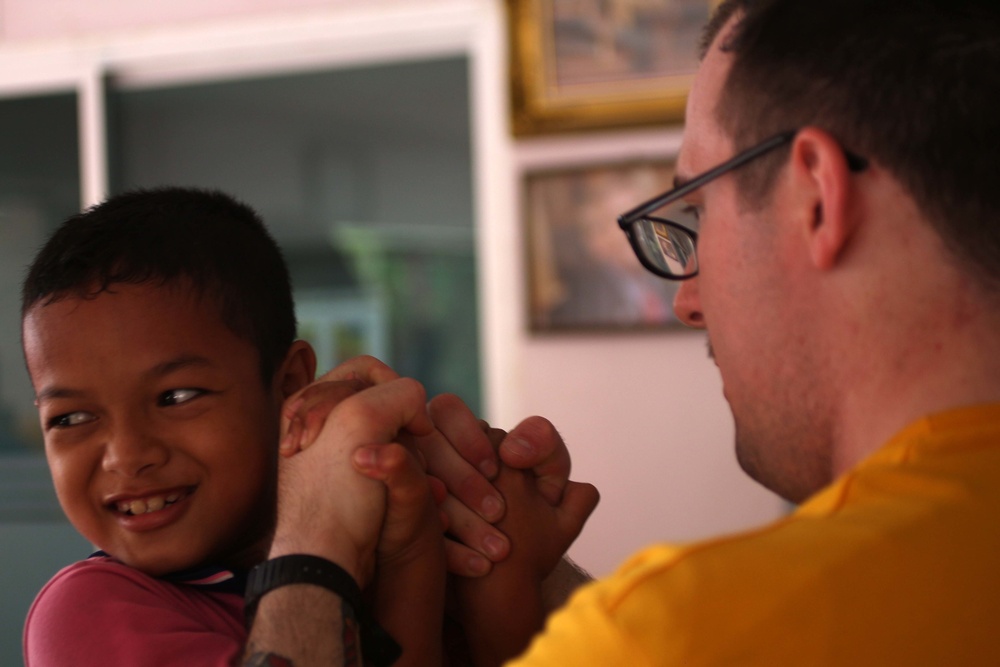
(411, 518)
(305, 411)
(533, 445)
(408, 591)
(503, 610)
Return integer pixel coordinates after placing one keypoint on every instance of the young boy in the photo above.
(159, 332)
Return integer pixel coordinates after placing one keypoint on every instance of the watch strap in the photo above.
(378, 646)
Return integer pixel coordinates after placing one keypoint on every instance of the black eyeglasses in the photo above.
(667, 247)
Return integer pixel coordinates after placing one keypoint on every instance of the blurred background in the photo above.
(375, 139)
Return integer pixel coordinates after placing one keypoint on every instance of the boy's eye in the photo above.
(178, 396)
(70, 419)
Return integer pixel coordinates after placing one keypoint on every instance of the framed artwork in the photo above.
(582, 273)
(584, 64)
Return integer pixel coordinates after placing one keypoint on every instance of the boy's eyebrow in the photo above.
(57, 392)
(157, 371)
(173, 365)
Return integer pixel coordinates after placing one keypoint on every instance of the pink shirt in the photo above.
(101, 612)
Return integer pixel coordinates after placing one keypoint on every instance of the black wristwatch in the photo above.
(378, 647)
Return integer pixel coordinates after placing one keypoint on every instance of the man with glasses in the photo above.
(838, 164)
(836, 228)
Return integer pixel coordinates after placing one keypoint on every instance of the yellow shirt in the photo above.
(895, 563)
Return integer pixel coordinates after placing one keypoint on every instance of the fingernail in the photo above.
(494, 546)
(365, 457)
(520, 447)
(293, 407)
(492, 507)
(489, 468)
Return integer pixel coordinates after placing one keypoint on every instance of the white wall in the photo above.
(643, 414)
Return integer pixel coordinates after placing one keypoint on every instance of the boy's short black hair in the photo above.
(202, 239)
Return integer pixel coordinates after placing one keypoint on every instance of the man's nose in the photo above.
(687, 305)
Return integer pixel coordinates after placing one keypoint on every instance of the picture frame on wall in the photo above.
(582, 272)
(588, 64)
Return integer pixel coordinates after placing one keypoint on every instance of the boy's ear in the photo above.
(296, 371)
(825, 182)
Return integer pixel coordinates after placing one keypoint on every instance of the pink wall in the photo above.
(47, 19)
(645, 420)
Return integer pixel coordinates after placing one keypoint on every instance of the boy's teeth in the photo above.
(152, 504)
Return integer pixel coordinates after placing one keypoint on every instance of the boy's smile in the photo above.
(159, 431)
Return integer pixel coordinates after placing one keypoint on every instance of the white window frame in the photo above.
(370, 33)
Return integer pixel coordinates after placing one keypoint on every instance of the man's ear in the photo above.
(296, 371)
(824, 183)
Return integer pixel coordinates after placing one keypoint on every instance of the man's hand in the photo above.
(324, 506)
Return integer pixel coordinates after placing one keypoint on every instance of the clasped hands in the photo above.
(371, 471)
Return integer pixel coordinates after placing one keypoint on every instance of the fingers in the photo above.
(411, 526)
(366, 368)
(536, 445)
(578, 503)
(379, 413)
(464, 561)
(465, 432)
(408, 494)
(458, 437)
(470, 529)
(305, 412)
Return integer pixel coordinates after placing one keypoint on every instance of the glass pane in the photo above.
(39, 187)
(364, 177)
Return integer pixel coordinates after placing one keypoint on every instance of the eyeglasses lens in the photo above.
(667, 242)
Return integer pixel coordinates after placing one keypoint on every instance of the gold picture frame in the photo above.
(588, 64)
(582, 273)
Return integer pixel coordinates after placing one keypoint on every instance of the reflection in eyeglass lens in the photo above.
(666, 241)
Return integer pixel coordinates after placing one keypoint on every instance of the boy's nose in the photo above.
(132, 448)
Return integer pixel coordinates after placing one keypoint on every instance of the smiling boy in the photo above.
(158, 331)
(159, 373)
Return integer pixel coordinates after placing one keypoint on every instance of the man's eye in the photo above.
(178, 396)
(692, 211)
(70, 419)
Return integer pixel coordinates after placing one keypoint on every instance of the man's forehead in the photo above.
(705, 144)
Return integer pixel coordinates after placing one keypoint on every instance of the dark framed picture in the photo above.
(585, 64)
(582, 273)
